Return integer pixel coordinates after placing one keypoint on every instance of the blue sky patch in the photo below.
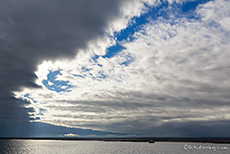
(129, 59)
(191, 6)
(186, 9)
(56, 85)
(77, 75)
(102, 75)
(41, 111)
(113, 50)
(28, 96)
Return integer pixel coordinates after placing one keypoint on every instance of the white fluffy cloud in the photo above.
(174, 70)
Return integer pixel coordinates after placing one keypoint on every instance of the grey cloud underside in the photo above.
(47, 130)
(177, 129)
(31, 31)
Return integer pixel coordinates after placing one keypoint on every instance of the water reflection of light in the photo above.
(15, 147)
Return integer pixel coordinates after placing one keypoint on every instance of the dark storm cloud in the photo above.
(216, 128)
(37, 129)
(31, 31)
(195, 129)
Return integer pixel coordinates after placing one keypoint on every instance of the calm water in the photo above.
(96, 147)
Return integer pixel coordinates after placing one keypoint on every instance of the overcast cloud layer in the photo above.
(170, 79)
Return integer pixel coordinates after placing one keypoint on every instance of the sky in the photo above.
(105, 68)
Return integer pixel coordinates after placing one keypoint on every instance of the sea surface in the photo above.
(100, 147)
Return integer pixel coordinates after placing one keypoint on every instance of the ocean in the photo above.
(101, 147)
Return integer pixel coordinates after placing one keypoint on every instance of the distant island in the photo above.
(224, 140)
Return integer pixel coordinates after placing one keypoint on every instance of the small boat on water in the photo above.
(151, 141)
